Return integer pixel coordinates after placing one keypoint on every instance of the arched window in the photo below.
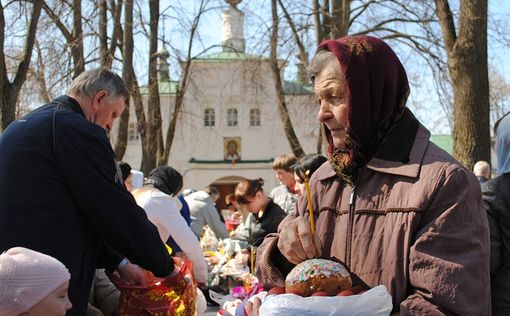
(254, 117)
(209, 117)
(231, 117)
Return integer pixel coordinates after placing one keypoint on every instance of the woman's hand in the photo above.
(252, 309)
(295, 241)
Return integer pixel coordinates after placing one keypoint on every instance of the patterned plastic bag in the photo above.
(162, 296)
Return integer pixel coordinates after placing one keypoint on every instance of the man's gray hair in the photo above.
(89, 82)
(319, 62)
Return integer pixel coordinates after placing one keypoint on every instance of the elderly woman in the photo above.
(397, 209)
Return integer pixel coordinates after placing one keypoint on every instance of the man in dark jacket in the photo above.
(496, 196)
(61, 190)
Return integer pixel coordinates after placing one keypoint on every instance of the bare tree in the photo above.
(9, 90)
(467, 65)
(74, 37)
(181, 90)
(295, 146)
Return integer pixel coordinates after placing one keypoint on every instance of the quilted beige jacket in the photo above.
(413, 221)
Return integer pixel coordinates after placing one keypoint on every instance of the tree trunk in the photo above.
(103, 31)
(122, 134)
(77, 43)
(467, 64)
(155, 138)
(9, 91)
(295, 146)
(131, 80)
(39, 75)
(340, 18)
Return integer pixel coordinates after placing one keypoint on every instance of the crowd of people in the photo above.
(392, 206)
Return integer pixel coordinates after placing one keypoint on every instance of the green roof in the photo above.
(445, 142)
(227, 56)
(296, 88)
(165, 88)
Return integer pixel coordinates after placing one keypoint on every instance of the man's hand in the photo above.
(295, 241)
(132, 274)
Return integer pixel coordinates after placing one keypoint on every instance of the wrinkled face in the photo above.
(55, 304)
(104, 109)
(330, 89)
(299, 186)
(285, 177)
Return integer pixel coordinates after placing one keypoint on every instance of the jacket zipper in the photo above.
(350, 228)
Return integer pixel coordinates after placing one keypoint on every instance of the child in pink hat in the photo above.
(32, 283)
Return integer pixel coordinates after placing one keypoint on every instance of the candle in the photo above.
(310, 208)
(252, 255)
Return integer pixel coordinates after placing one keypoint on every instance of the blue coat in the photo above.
(61, 194)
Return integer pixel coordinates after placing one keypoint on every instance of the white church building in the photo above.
(230, 126)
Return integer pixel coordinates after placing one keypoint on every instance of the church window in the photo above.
(231, 117)
(209, 117)
(254, 117)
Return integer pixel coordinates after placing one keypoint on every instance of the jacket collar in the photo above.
(402, 151)
(69, 103)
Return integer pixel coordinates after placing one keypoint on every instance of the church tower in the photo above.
(233, 28)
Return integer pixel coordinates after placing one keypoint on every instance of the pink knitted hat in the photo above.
(26, 278)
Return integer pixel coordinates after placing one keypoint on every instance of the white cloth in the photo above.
(164, 212)
(26, 278)
(136, 179)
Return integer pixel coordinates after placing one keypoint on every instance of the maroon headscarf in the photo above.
(377, 90)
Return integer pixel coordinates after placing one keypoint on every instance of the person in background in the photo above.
(395, 208)
(496, 196)
(158, 198)
(482, 170)
(32, 283)
(284, 194)
(308, 163)
(267, 215)
(62, 192)
(203, 212)
(234, 213)
(125, 170)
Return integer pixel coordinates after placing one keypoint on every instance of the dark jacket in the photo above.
(414, 222)
(496, 196)
(267, 223)
(187, 217)
(61, 193)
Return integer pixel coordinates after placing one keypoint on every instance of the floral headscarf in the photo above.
(376, 90)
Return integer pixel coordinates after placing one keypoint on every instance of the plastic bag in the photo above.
(162, 296)
(374, 302)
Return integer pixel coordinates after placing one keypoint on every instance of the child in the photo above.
(32, 283)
